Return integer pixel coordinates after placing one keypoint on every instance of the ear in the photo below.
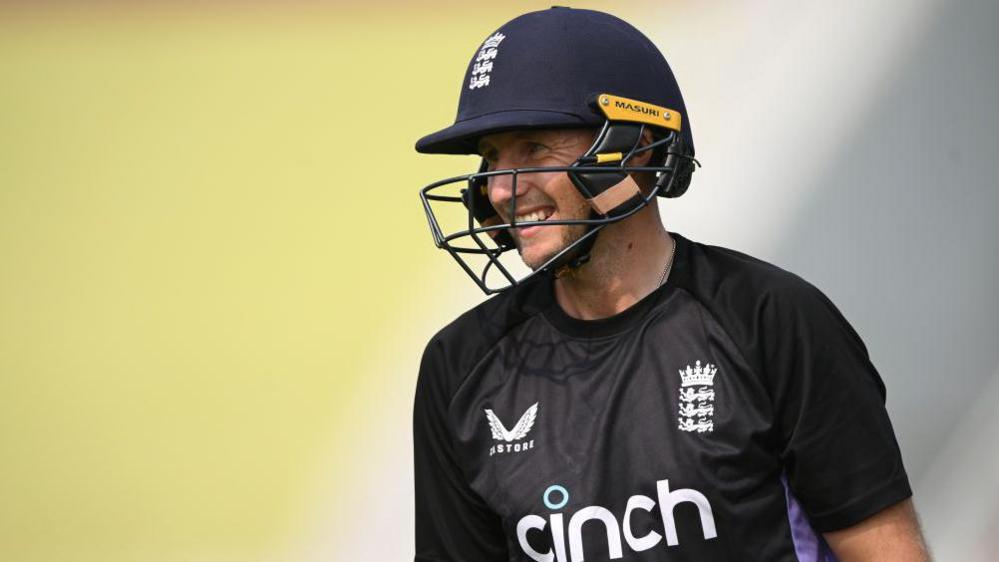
(645, 180)
(643, 158)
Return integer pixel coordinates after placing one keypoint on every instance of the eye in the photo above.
(490, 159)
(535, 148)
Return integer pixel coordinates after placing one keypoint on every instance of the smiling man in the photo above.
(637, 395)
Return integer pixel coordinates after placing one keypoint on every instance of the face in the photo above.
(540, 196)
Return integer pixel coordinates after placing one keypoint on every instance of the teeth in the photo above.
(530, 217)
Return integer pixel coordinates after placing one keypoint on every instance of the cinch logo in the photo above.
(506, 438)
(637, 108)
(668, 500)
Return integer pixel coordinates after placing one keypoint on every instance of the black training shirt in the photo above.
(732, 414)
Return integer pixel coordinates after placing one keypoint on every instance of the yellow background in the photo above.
(210, 237)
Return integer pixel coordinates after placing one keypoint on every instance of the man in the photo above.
(638, 395)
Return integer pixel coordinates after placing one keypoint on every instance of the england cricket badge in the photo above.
(484, 61)
(697, 396)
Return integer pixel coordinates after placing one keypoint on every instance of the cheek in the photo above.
(571, 201)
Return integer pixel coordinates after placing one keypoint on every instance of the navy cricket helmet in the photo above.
(556, 69)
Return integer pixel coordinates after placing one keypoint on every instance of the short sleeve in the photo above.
(836, 441)
(452, 522)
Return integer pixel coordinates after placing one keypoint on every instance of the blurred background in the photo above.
(216, 279)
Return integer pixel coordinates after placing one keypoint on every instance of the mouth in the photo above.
(539, 214)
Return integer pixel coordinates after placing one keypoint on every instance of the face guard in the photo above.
(601, 175)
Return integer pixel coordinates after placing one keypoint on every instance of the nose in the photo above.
(501, 187)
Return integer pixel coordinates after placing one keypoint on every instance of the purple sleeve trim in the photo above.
(809, 546)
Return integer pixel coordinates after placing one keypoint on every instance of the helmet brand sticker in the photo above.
(617, 108)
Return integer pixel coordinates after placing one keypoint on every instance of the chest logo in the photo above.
(512, 441)
(697, 396)
(557, 531)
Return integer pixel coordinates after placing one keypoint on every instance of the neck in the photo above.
(626, 264)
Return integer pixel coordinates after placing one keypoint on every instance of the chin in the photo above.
(540, 249)
(534, 258)
(539, 252)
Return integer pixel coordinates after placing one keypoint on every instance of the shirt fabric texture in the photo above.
(732, 414)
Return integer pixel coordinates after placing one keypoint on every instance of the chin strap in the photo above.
(580, 254)
(606, 192)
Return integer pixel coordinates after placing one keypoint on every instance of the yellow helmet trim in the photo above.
(617, 108)
(609, 157)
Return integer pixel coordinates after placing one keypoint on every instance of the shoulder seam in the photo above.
(485, 353)
(738, 346)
